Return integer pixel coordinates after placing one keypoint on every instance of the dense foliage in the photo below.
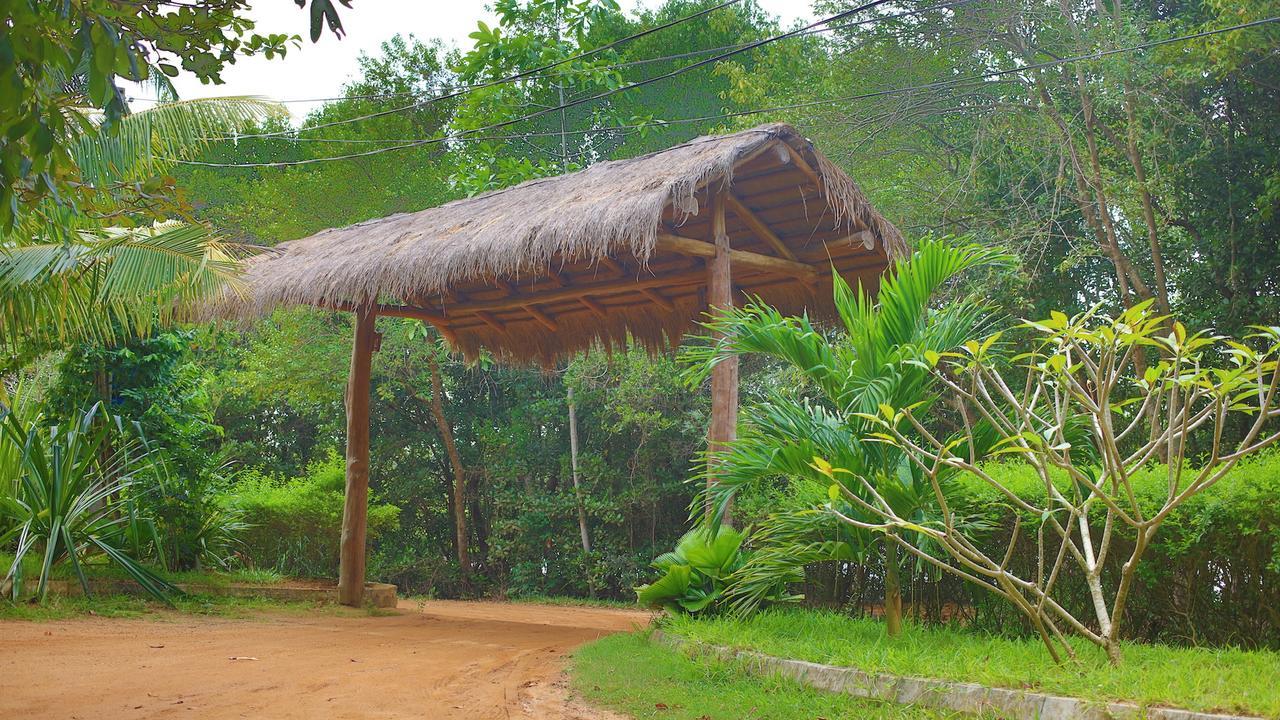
(1211, 579)
(294, 526)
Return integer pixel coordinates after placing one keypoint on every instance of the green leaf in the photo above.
(666, 589)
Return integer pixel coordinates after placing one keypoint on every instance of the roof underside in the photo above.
(617, 250)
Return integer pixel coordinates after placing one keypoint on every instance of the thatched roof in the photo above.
(552, 265)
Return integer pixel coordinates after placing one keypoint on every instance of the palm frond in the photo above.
(119, 280)
(145, 143)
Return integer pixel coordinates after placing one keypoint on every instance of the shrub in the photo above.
(696, 574)
(295, 526)
(61, 503)
(1213, 579)
(1103, 398)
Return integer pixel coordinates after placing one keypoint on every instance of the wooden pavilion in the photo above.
(636, 249)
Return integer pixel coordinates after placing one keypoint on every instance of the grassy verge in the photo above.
(128, 606)
(1222, 680)
(100, 569)
(629, 674)
(558, 600)
(574, 601)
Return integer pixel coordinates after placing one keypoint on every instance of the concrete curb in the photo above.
(938, 694)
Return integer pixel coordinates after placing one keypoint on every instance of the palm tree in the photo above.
(880, 359)
(76, 273)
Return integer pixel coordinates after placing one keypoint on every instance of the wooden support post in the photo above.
(724, 377)
(356, 503)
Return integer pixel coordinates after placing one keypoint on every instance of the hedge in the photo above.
(1212, 575)
(295, 525)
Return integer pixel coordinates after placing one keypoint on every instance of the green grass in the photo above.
(100, 569)
(574, 601)
(558, 600)
(1224, 680)
(627, 673)
(129, 606)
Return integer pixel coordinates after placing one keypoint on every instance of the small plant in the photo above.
(1102, 401)
(62, 508)
(695, 574)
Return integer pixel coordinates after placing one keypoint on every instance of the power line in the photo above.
(941, 84)
(525, 75)
(612, 66)
(562, 106)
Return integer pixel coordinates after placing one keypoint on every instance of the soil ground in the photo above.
(436, 659)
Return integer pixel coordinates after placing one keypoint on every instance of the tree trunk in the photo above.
(892, 589)
(355, 508)
(724, 376)
(1148, 206)
(455, 461)
(573, 464)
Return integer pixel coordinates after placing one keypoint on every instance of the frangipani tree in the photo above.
(869, 365)
(1102, 400)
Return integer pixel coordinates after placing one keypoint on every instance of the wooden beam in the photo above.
(613, 265)
(749, 260)
(798, 160)
(758, 228)
(746, 261)
(554, 277)
(491, 321)
(609, 287)
(724, 376)
(355, 504)
(657, 299)
(596, 308)
(413, 312)
(543, 319)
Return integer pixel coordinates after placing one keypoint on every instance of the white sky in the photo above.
(321, 69)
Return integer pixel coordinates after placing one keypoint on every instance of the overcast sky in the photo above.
(321, 69)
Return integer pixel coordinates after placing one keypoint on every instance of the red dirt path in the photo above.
(431, 660)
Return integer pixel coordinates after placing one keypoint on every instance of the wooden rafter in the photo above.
(596, 308)
(757, 226)
(543, 319)
(491, 321)
(657, 299)
(803, 165)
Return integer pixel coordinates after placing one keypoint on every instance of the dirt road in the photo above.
(432, 660)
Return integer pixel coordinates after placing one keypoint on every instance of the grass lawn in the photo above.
(1223, 680)
(629, 674)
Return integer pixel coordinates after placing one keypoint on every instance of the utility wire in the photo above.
(941, 84)
(613, 66)
(525, 75)
(599, 96)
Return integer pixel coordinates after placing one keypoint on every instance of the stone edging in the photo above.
(939, 694)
